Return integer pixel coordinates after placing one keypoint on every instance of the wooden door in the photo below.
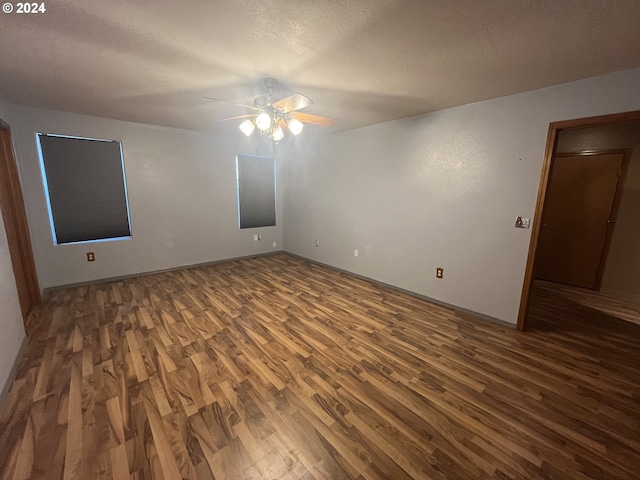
(15, 224)
(582, 197)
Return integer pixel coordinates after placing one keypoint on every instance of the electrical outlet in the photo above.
(356, 253)
(274, 244)
(91, 257)
(317, 243)
(439, 272)
(255, 238)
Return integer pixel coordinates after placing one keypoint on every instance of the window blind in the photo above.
(86, 188)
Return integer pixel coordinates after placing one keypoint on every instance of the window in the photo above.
(85, 186)
(256, 191)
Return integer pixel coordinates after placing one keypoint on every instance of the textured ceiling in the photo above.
(361, 61)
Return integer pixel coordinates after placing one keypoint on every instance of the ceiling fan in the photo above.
(271, 116)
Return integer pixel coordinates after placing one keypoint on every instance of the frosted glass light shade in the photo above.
(247, 127)
(263, 121)
(277, 134)
(295, 126)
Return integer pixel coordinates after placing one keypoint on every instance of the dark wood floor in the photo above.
(609, 306)
(276, 368)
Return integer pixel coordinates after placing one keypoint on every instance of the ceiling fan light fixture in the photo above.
(277, 134)
(263, 121)
(247, 127)
(295, 126)
(272, 115)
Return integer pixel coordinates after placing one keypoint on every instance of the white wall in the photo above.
(438, 190)
(182, 198)
(622, 268)
(11, 325)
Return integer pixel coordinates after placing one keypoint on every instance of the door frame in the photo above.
(17, 229)
(552, 139)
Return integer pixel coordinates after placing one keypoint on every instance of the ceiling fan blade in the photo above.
(296, 101)
(314, 119)
(232, 103)
(249, 115)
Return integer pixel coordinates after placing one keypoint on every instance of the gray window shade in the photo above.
(86, 188)
(256, 191)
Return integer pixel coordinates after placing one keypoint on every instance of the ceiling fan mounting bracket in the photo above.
(271, 84)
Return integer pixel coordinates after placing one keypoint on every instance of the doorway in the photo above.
(583, 198)
(15, 224)
(558, 160)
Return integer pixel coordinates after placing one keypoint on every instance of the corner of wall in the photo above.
(11, 325)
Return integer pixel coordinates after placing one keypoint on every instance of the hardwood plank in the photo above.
(274, 367)
(73, 453)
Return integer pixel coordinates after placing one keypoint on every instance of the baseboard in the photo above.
(154, 272)
(478, 315)
(12, 373)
